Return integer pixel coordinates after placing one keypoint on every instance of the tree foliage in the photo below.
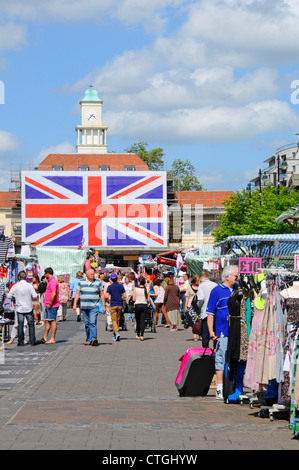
(184, 176)
(182, 171)
(255, 213)
(153, 158)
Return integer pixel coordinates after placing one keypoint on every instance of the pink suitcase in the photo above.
(196, 372)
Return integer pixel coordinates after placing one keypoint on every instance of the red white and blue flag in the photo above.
(103, 208)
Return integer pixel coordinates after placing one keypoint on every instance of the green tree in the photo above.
(255, 213)
(184, 176)
(153, 157)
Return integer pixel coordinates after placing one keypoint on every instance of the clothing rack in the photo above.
(276, 279)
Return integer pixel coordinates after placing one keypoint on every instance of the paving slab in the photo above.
(119, 396)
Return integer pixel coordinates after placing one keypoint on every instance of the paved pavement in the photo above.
(119, 396)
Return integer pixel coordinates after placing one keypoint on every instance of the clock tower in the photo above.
(91, 134)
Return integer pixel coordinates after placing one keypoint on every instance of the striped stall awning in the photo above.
(263, 245)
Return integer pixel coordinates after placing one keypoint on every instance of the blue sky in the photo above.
(206, 81)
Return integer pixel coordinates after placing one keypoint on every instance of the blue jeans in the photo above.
(90, 317)
(30, 321)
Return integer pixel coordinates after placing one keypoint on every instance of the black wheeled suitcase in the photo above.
(196, 372)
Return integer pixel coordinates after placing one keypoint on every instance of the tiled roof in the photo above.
(206, 198)
(70, 162)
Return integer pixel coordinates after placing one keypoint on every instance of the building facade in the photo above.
(282, 169)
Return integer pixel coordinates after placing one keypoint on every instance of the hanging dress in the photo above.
(291, 325)
(279, 338)
(243, 330)
(253, 346)
(266, 360)
(294, 407)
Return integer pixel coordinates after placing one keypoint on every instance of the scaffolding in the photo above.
(15, 199)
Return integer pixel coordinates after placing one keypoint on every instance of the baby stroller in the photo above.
(150, 321)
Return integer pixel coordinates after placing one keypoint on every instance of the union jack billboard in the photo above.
(97, 209)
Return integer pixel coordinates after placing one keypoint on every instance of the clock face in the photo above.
(91, 115)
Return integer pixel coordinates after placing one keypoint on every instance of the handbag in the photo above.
(197, 327)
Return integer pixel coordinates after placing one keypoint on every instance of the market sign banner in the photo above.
(250, 265)
(99, 209)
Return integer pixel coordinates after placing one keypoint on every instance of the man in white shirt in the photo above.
(23, 293)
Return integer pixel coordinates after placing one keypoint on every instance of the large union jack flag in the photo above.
(118, 209)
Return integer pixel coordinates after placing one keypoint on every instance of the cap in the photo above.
(113, 276)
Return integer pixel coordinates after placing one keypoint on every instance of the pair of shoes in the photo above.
(22, 344)
(167, 326)
(78, 318)
(173, 329)
(137, 337)
(87, 343)
(117, 337)
(41, 341)
(93, 342)
(10, 341)
(219, 395)
(141, 338)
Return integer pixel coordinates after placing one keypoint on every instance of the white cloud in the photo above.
(12, 36)
(209, 124)
(64, 147)
(8, 142)
(246, 34)
(150, 14)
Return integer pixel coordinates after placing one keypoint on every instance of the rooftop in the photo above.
(206, 198)
(115, 161)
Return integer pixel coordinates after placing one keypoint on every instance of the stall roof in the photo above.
(290, 217)
(263, 245)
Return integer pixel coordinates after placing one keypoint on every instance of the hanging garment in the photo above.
(253, 345)
(266, 360)
(291, 325)
(248, 315)
(279, 339)
(243, 331)
(294, 406)
(234, 329)
(5, 244)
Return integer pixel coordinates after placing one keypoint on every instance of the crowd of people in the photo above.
(179, 305)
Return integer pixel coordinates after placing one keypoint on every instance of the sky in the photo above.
(212, 82)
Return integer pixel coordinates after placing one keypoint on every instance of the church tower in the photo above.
(91, 134)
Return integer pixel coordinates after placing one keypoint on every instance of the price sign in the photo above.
(250, 265)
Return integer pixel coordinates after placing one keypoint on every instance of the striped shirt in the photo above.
(90, 292)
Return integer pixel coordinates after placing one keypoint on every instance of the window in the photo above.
(57, 168)
(83, 168)
(129, 168)
(206, 230)
(104, 168)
